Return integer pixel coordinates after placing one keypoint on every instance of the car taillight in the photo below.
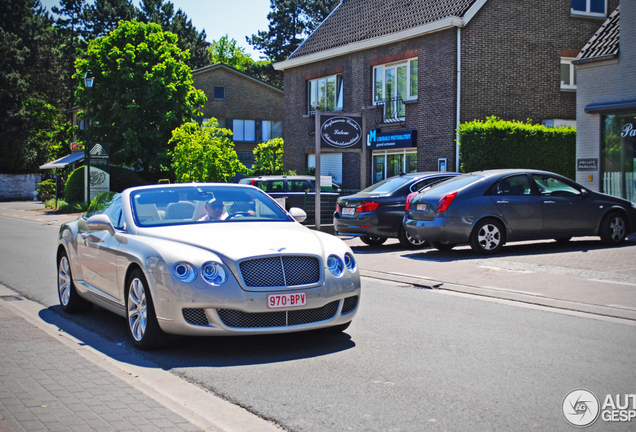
(408, 199)
(367, 207)
(253, 182)
(443, 204)
(337, 208)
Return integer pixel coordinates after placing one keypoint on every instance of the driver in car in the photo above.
(215, 211)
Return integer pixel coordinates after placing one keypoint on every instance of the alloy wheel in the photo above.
(137, 309)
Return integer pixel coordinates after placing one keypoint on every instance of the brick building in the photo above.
(418, 68)
(606, 106)
(251, 108)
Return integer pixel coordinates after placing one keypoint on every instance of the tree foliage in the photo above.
(226, 51)
(204, 154)
(143, 90)
(30, 86)
(269, 157)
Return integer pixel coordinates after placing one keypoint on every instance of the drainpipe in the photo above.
(459, 99)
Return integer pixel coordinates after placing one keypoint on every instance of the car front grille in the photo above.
(195, 317)
(280, 271)
(240, 319)
(350, 303)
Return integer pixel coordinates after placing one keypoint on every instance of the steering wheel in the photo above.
(239, 214)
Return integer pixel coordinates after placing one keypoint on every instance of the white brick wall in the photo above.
(14, 187)
(607, 81)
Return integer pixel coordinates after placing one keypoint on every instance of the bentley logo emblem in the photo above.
(277, 250)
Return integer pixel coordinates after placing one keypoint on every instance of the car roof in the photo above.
(276, 177)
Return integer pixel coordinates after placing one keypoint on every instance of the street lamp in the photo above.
(88, 83)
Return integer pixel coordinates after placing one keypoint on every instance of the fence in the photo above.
(327, 207)
(619, 184)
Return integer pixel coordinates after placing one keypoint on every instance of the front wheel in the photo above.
(487, 237)
(613, 229)
(140, 312)
(70, 300)
(373, 241)
(408, 241)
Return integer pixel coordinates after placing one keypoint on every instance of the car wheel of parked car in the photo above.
(70, 300)
(142, 321)
(443, 247)
(487, 237)
(373, 241)
(409, 241)
(613, 229)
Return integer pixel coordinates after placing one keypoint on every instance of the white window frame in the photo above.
(572, 84)
(379, 75)
(385, 154)
(244, 130)
(587, 12)
(317, 88)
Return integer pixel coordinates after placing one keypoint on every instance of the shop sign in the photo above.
(77, 146)
(343, 131)
(390, 140)
(628, 131)
(99, 168)
(587, 164)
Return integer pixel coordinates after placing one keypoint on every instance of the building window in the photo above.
(393, 84)
(325, 93)
(244, 130)
(272, 129)
(219, 93)
(391, 163)
(618, 153)
(589, 7)
(568, 74)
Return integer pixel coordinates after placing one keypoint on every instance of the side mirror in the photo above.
(100, 222)
(584, 193)
(298, 214)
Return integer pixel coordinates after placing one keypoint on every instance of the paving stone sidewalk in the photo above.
(47, 386)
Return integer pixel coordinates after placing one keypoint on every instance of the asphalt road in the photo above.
(413, 359)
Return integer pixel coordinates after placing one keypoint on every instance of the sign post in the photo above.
(317, 174)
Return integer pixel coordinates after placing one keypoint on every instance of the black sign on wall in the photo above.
(587, 164)
(341, 131)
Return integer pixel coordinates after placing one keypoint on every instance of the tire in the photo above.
(613, 229)
(443, 247)
(373, 241)
(142, 322)
(488, 237)
(409, 241)
(70, 300)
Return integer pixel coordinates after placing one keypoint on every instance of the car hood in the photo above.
(237, 240)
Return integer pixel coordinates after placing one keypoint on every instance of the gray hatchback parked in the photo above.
(489, 208)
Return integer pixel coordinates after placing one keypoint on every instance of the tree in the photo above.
(269, 157)
(290, 23)
(227, 52)
(143, 90)
(204, 154)
(162, 13)
(31, 89)
(102, 17)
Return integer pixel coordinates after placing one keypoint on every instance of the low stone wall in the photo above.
(18, 187)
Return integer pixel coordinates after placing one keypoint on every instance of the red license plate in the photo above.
(288, 300)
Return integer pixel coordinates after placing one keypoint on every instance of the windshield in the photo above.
(453, 184)
(168, 205)
(387, 186)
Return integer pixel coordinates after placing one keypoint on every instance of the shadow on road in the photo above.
(107, 333)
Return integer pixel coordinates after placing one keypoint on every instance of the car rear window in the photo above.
(451, 185)
(387, 186)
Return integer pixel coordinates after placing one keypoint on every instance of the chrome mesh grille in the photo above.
(350, 303)
(195, 317)
(240, 319)
(280, 271)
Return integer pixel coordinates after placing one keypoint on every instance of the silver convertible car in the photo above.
(489, 208)
(205, 259)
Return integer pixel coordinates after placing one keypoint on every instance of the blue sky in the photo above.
(236, 18)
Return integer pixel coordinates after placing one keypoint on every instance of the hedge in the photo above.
(496, 143)
(120, 179)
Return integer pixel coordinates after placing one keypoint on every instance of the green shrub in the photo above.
(46, 189)
(74, 189)
(496, 143)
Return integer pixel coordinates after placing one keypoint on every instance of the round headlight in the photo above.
(184, 271)
(335, 265)
(350, 261)
(214, 273)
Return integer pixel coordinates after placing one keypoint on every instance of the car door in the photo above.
(299, 192)
(520, 205)
(567, 210)
(97, 250)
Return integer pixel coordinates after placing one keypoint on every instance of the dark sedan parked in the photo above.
(376, 213)
(489, 208)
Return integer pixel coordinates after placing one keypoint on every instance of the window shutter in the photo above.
(259, 131)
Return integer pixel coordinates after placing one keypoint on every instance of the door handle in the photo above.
(84, 235)
(549, 202)
(503, 202)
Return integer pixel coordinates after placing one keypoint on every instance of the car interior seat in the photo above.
(180, 210)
